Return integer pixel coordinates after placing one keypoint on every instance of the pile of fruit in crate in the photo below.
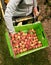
(22, 41)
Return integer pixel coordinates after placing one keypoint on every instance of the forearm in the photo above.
(35, 10)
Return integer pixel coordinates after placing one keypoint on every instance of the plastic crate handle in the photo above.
(43, 34)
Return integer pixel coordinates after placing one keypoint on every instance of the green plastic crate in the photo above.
(40, 34)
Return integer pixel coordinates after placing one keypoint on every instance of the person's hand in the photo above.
(12, 34)
(35, 11)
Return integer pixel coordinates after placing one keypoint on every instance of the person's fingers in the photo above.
(36, 13)
(12, 34)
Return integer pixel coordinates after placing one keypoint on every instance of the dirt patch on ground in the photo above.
(45, 18)
(47, 28)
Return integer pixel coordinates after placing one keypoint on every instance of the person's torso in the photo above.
(24, 8)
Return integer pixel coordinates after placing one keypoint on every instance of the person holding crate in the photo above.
(19, 8)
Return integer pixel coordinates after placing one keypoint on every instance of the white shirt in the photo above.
(17, 8)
